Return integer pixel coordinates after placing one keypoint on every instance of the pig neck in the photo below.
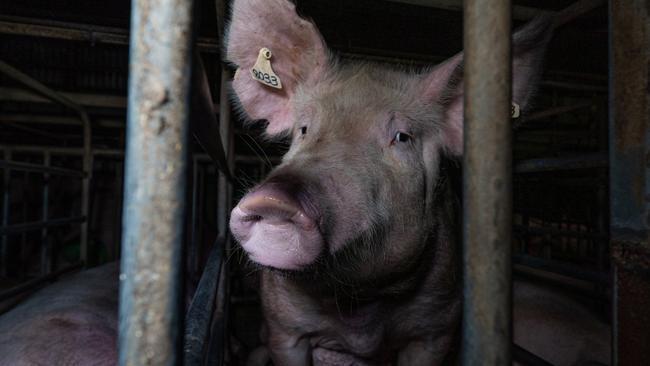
(433, 271)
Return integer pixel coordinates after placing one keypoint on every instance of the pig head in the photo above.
(354, 230)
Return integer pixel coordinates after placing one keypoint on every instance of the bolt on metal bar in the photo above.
(154, 200)
(487, 184)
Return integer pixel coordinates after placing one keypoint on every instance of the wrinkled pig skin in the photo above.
(70, 323)
(354, 229)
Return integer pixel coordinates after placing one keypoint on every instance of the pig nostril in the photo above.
(252, 218)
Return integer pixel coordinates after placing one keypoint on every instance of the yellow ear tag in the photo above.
(263, 72)
(515, 111)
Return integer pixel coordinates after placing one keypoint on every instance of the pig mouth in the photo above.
(277, 231)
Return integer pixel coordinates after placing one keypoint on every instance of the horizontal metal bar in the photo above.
(27, 167)
(59, 120)
(30, 226)
(562, 268)
(85, 99)
(32, 284)
(60, 150)
(575, 86)
(559, 232)
(80, 32)
(527, 358)
(199, 315)
(588, 161)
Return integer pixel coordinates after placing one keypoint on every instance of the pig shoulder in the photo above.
(72, 322)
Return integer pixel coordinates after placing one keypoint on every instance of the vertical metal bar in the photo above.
(6, 205)
(46, 250)
(85, 186)
(160, 69)
(193, 252)
(224, 129)
(487, 184)
(629, 51)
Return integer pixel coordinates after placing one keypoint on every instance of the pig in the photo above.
(71, 322)
(354, 232)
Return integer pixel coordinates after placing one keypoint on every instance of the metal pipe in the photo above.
(588, 161)
(154, 202)
(30, 226)
(6, 205)
(79, 32)
(487, 184)
(35, 168)
(46, 253)
(199, 315)
(40, 88)
(30, 285)
(629, 144)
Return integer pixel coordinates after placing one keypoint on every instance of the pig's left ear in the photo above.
(299, 57)
(444, 84)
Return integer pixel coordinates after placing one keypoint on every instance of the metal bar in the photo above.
(46, 252)
(560, 232)
(79, 32)
(6, 206)
(84, 99)
(551, 112)
(204, 120)
(31, 226)
(487, 184)
(519, 12)
(35, 85)
(588, 161)
(154, 203)
(59, 120)
(27, 167)
(199, 315)
(61, 150)
(30, 285)
(574, 86)
(565, 269)
(629, 144)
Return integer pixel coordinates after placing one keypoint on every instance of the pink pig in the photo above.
(355, 228)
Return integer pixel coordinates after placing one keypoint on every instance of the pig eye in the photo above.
(401, 137)
(303, 130)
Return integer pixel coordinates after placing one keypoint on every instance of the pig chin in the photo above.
(275, 232)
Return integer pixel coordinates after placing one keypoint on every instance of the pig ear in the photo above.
(299, 57)
(444, 84)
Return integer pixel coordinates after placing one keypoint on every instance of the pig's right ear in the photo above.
(299, 58)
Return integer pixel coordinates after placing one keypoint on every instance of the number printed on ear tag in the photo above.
(515, 111)
(263, 72)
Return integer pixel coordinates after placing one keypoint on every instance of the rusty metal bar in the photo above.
(629, 146)
(154, 201)
(487, 184)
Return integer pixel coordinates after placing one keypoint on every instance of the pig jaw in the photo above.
(275, 230)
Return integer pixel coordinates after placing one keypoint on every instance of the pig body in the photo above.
(70, 323)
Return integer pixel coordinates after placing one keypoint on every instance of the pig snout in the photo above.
(276, 229)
